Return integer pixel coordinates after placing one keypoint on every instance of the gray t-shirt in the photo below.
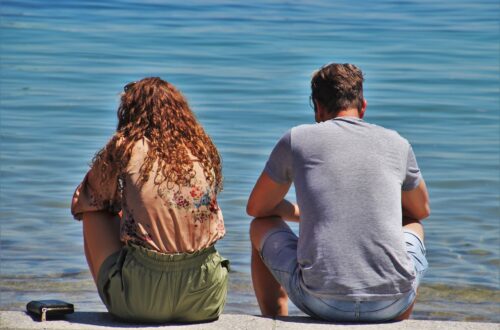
(348, 176)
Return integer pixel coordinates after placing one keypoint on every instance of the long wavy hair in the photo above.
(155, 110)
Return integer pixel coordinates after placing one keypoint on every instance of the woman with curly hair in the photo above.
(150, 213)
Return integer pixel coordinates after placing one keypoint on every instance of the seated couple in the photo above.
(151, 218)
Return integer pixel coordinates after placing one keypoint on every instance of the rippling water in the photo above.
(432, 73)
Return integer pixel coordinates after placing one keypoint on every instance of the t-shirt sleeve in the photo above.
(96, 194)
(279, 164)
(413, 175)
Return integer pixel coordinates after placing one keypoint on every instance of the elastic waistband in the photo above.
(163, 261)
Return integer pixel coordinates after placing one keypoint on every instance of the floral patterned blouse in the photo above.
(182, 219)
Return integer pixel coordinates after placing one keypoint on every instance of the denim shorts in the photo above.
(279, 253)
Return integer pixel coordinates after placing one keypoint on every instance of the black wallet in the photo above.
(45, 309)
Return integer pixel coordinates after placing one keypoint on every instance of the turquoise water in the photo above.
(431, 70)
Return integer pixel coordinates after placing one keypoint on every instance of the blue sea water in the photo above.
(431, 72)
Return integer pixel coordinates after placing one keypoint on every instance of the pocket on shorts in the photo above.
(211, 274)
(110, 273)
(204, 300)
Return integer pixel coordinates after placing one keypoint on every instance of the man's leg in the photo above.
(272, 298)
(416, 227)
(101, 237)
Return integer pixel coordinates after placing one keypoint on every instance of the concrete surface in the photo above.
(99, 320)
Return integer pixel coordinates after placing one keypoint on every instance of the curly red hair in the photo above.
(155, 110)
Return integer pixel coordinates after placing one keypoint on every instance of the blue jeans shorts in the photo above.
(279, 253)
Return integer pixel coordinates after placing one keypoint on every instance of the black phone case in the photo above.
(49, 308)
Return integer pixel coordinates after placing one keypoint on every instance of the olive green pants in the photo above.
(137, 284)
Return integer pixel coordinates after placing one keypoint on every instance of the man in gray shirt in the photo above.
(360, 198)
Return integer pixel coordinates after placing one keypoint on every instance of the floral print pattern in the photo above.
(201, 202)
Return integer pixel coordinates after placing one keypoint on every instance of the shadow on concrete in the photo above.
(108, 320)
(310, 320)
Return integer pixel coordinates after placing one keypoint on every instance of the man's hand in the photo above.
(416, 202)
(267, 199)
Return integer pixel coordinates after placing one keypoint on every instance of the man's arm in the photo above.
(267, 199)
(415, 202)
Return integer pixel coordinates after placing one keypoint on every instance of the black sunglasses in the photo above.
(129, 86)
(312, 104)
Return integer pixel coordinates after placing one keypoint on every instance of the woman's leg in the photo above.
(101, 237)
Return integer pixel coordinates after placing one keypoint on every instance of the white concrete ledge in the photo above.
(101, 320)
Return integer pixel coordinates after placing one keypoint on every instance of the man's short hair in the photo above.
(337, 87)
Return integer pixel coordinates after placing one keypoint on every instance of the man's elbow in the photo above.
(424, 213)
(252, 209)
(256, 210)
(427, 211)
(420, 213)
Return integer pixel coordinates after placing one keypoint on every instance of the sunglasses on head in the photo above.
(129, 86)
(312, 104)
